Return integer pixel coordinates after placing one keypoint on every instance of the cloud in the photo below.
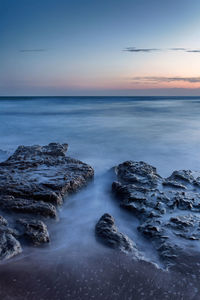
(186, 50)
(155, 79)
(149, 50)
(33, 50)
(193, 51)
(178, 49)
(134, 49)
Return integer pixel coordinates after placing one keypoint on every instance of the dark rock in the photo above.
(29, 206)
(168, 251)
(186, 226)
(151, 229)
(3, 221)
(42, 173)
(9, 246)
(139, 173)
(34, 180)
(184, 176)
(174, 183)
(107, 231)
(157, 202)
(35, 231)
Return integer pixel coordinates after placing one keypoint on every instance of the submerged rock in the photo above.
(33, 181)
(160, 203)
(108, 233)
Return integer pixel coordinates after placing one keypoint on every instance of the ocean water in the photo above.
(103, 132)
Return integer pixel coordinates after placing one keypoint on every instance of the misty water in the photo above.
(101, 131)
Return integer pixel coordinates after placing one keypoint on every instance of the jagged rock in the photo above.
(151, 229)
(184, 176)
(186, 226)
(3, 221)
(33, 181)
(157, 202)
(41, 173)
(168, 251)
(35, 231)
(174, 184)
(9, 245)
(139, 173)
(107, 231)
(28, 206)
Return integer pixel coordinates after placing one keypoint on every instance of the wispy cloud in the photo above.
(194, 51)
(186, 50)
(150, 50)
(155, 79)
(134, 49)
(33, 50)
(178, 49)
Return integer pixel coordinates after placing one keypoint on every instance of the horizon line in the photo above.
(96, 96)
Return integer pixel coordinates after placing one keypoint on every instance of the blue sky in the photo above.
(138, 47)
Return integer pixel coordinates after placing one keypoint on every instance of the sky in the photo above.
(107, 47)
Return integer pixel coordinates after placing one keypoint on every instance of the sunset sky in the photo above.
(107, 47)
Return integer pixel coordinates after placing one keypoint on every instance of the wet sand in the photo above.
(106, 275)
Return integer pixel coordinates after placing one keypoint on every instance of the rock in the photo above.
(184, 176)
(27, 206)
(173, 183)
(33, 181)
(107, 232)
(139, 173)
(186, 226)
(3, 221)
(35, 231)
(9, 245)
(42, 173)
(168, 251)
(157, 202)
(151, 229)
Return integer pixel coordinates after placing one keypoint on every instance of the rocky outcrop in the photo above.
(42, 173)
(167, 207)
(34, 181)
(107, 232)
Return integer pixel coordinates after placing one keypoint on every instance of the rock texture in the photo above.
(42, 173)
(108, 233)
(168, 208)
(35, 231)
(33, 181)
(9, 245)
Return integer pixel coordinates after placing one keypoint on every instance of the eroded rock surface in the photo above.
(168, 208)
(42, 173)
(34, 230)
(9, 245)
(108, 233)
(33, 181)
